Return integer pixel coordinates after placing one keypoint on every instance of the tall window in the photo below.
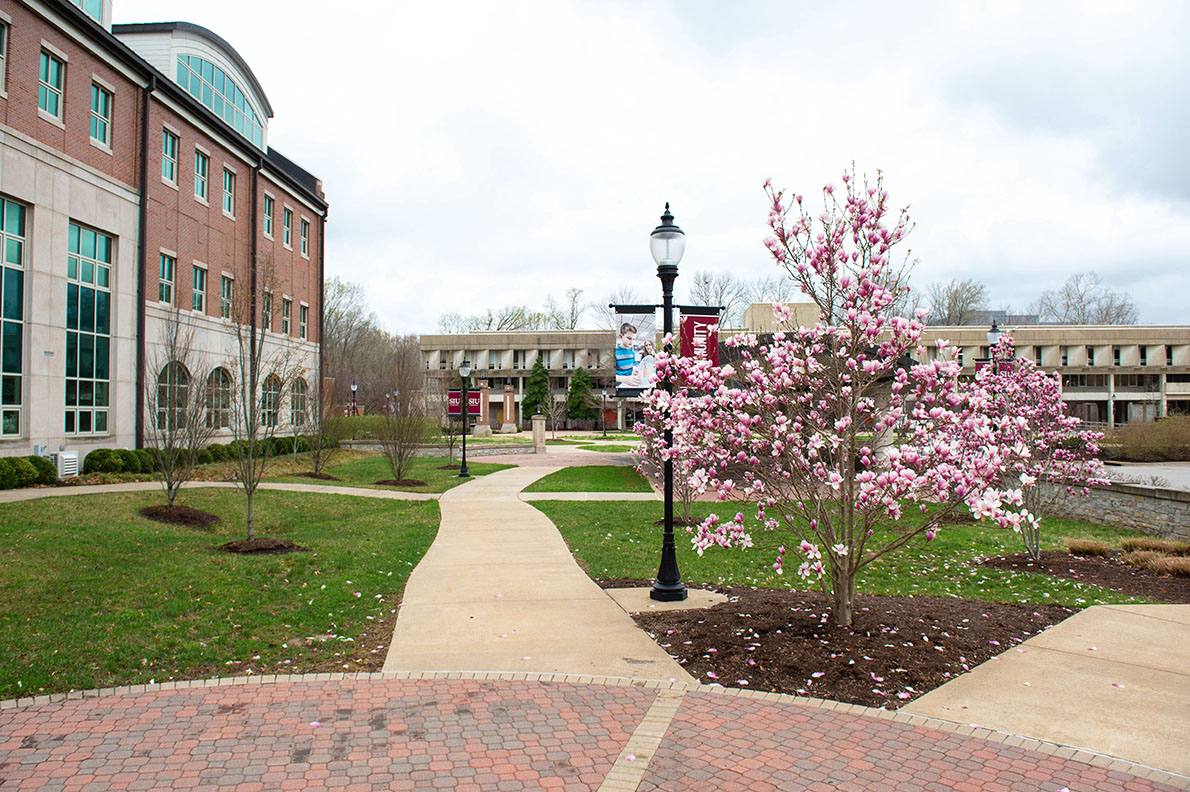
(1144, 355)
(198, 294)
(1090, 356)
(303, 320)
(287, 230)
(219, 398)
(12, 308)
(305, 238)
(270, 399)
(88, 330)
(49, 88)
(1115, 356)
(101, 115)
(169, 156)
(92, 8)
(297, 403)
(286, 313)
(165, 278)
(567, 358)
(493, 360)
(266, 311)
(3, 57)
(202, 168)
(226, 285)
(268, 216)
(173, 388)
(229, 192)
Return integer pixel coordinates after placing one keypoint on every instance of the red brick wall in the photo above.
(19, 110)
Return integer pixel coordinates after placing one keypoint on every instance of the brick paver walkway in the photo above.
(379, 732)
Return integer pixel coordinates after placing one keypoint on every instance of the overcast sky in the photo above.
(479, 154)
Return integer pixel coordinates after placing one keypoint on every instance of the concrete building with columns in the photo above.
(137, 179)
(1111, 375)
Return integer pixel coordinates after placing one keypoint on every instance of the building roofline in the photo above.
(190, 27)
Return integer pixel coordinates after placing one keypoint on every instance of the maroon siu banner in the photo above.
(699, 341)
(454, 401)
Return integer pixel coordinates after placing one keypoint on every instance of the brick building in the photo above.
(136, 178)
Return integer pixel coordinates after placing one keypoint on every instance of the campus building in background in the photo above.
(137, 177)
(1111, 375)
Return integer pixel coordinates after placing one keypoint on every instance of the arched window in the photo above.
(270, 400)
(213, 87)
(297, 403)
(173, 388)
(219, 399)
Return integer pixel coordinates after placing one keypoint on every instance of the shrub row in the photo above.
(26, 471)
(1163, 440)
(142, 460)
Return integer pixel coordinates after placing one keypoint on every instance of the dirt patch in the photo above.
(401, 483)
(319, 476)
(262, 545)
(179, 515)
(782, 641)
(448, 467)
(1106, 571)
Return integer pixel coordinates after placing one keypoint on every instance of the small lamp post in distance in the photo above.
(464, 374)
(354, 408)
(603, 411)
(667, 243)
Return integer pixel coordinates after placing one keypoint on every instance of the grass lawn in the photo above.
(365, 471)
(593, 478)
(634, 438)
(618, 539)
(94, 595)
(608, 448)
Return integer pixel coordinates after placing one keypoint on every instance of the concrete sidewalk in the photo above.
(1114, 679)
(499, 591)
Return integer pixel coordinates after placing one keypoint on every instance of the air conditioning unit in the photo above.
(67, 463)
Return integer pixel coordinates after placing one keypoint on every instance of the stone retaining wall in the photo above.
(1153, 510)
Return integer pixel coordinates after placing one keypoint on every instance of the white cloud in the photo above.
(480, 154)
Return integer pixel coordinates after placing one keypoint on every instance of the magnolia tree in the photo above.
(684, 413)
(788, 427)
(1043, 448)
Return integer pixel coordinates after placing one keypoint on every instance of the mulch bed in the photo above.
(401, 482)
(320, 476)
(448, 467)
(782, 641)
(1106, 571)
(177, 514)
(262, 545)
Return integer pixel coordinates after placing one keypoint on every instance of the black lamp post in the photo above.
(667, 243)
(354, 409)
(464, 373)
(603, 411)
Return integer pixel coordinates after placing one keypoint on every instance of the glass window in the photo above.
(303, 320)
(3, 57)
(268, 216)
(213, 87)
(173, 396)
(169, 156)
(88, 331)
(165, 278)
(493, 360)
(270, 399)
(287, 223)
(219, 398)
(198, 297)
(266, 310)
(202, 167)
(229, 192)
(305, 238)
(12, 316)
(49, 88)
(92, 8)
(297, 403)
(101, 115)
(225, 286)
(286, 312)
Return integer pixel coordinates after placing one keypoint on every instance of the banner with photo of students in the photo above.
(635, 353)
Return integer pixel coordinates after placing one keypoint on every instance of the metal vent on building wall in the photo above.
(67, 463)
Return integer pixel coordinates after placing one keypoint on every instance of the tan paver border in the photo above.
(665, 710)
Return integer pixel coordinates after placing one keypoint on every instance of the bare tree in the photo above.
(325, 432)
(348, 326)
(605, 317)
(907, 302)
(771, 290)
(262, 370)
(404, 424)
(568, 316)
(178, 426)
(554, 410)
(723, 289)
(1084, 299)
(510, 317)
(955, 302)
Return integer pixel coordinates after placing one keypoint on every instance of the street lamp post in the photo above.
(464, 373)
(354, 409)
(667, 243)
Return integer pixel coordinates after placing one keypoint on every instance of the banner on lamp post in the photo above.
(634, 355)
(454, 402)
(700, 336)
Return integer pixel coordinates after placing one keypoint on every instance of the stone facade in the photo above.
(1153, 510)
